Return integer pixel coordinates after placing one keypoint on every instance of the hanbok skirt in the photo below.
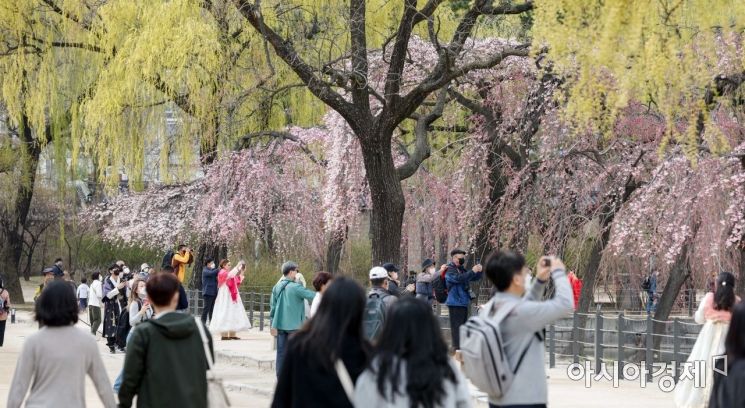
(710, 343)
(228, 315)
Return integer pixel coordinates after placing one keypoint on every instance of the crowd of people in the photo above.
(339, 346)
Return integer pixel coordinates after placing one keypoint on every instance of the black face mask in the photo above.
(461, 261)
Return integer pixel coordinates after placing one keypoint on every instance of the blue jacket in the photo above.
(457, 280)
(209, 281)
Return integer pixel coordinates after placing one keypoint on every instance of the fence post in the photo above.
(598, 340)
(261, 312)
(650, 345)
(691, 301)
(620, 356)
(251, 307)
(676, 348)
(551, 346)
(575, 335)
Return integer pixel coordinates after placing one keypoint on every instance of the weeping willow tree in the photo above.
(680, 57)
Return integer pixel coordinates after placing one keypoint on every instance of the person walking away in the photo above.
(332, 337)
(715, 313)
(57, 269)
(652, 291)
(83, 292)
(412, 367)
(379, 300)
(230, 315)
(140, 311)
(4, 309)
(165, 353)
(95, 296)
(457, 281)
(522, 328)
(729, 391)
(576, 284)
(183, 257)
(321, 281)
(209, 288)
(115, 300)
(287, 309)
(424, 290)
(55, 360)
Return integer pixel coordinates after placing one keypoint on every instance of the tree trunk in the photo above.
(678, 276)
(443, 251)
(387, 196)
(740, 285)
(334, 250)
(18, 212)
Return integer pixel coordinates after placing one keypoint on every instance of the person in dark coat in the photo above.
(115, 300)
(308, 377)
(166, 365)
(728, 390)
(57, 269)
(209, 288)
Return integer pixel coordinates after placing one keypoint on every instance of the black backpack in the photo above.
(167, 259)
(647, 283)
(374, 316)
(122, 328)
(440, 288)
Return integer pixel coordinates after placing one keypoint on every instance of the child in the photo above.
(83, 290)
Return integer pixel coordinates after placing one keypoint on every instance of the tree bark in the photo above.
(205, 250)
(387, 196)
(18, 213)
(334, 250)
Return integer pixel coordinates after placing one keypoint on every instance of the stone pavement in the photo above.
(247, 369)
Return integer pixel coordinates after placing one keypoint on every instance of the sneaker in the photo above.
(112, 350)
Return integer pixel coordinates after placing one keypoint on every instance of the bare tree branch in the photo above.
(57, 9)
(244, 142)
(359, 76)
(398, 55)
(422, 150)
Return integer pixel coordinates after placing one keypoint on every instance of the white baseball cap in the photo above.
(144, 267)
(378, 272)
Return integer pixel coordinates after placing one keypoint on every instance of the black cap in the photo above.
(390, 267)
(47, 270)
(427, 263)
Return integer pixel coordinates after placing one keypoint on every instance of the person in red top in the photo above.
(576, 284)
(229, 315)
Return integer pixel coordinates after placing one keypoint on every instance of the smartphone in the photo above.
(546, 262)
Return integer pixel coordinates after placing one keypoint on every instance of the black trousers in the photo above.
(2, 331)
(209, 307)
(458, 316)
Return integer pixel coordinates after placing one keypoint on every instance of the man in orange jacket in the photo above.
(183, 257)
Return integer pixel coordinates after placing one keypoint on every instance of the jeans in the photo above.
(650, 302)
(209, 306)
(282, 336)
(118, 381)
(94, 314)
(458, 316)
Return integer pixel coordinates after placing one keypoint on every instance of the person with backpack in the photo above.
(457, 281)
(115, 301)
(379, 300)
(4, 310)
(139, 310)
(510, 327)
(287, 309)
(333, 338)
(179, 261)
(424, 280)
(412, 367)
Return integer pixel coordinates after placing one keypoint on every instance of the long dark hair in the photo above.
(724, 297)
(339, 318)
(734, 344)
(412, 334)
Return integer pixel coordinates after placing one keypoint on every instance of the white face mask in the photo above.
(142, 292)
(100, 278)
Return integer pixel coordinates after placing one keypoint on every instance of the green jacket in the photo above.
(165, 364)
(287, 310)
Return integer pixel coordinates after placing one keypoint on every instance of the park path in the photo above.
(247, 369)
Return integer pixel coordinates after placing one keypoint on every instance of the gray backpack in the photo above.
(485, 362)
(374, 316)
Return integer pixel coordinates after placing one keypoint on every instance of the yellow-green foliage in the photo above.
(666, 53)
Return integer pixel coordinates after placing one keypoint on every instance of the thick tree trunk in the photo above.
(19, 212)
(443, 251)
(334, 250)
(387, 196)
(678, 276)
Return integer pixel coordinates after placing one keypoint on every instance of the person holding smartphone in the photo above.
(139, 311)
(457, 281)
(522, 329)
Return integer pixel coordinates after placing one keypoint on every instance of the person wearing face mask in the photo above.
(457, 281)
(209, 288)
(94, 302)
(139, 311)
(424, 281)
(115, 300)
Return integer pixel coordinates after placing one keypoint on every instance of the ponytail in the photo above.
(724, 297)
